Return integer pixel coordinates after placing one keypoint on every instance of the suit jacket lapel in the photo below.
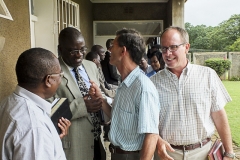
(71, 83)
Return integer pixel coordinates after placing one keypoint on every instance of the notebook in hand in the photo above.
(216, 151)
(60, 108)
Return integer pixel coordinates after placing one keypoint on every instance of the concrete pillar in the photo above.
(178, 13)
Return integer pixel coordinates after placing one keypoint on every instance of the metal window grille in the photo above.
(67, 14)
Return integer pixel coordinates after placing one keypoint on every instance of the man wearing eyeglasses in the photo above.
(82, 142)
(192, 100)
(26, 130)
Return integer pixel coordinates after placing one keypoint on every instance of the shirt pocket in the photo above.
(127, 120)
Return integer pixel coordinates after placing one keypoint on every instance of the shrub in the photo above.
(219, 65)
(235, 78)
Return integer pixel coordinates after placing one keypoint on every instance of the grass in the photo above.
(233, 109)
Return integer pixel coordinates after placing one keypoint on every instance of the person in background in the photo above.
(110, 72)
(157, 63)
(94, 57)
(83, 141)
(99, 50)
(26, 130)
(144, 64)
(192, 100)
(153, 48)
(110, 94)
(135, 111)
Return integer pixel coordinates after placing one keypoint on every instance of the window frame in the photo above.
(7, 14)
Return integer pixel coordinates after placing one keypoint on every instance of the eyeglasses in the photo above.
(57, 74)
(76, 51)
(171, 48)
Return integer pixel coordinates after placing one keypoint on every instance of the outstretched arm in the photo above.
(223, 129)
(149, 146)
(95, 93)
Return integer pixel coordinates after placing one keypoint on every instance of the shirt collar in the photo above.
(71, 68)
(132, 76)
(185, 71)
(40, 102)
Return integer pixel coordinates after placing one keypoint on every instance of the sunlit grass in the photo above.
(233, 109)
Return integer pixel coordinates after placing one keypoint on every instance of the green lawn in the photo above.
(233, 109)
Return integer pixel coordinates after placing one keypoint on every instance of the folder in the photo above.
(60, 108)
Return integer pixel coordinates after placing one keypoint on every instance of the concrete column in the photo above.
(178, 13)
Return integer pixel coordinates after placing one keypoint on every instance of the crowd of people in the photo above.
(154, 105)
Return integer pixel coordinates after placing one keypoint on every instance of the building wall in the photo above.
(234, 57)
(17, 39)
(169, 14)
(178, 13)
(129, 11)
(86, 21)
(200, 58)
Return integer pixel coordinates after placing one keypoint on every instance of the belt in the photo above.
(192, 146)
(118, 150)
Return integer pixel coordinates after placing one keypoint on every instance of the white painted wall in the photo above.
(45, 26)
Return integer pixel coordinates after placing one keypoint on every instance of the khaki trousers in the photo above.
(196, 154)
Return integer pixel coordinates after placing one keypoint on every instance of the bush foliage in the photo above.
(219, 65)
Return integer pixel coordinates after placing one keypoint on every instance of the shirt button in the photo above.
(92, 147)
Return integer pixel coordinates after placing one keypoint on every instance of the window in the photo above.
(67, 14)
(4, 11)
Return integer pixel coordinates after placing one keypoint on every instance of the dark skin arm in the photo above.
(92, 104)
(64, 125)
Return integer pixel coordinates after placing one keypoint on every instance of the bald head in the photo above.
(69, 34)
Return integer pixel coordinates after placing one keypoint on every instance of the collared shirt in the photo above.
(150, 74)
(81, 70)
(26, 130)
(149, 69)
(135, 111)
(187, 102)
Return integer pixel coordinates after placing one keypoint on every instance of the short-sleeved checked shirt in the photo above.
(186, 103)
(135, 111)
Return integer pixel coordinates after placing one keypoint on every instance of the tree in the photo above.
(220, 38)
(235, 46)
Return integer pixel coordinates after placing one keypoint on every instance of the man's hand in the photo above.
(64, 125)
(162, 147)
(93, 104)
(94, 91)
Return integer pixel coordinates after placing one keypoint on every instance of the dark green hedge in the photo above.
(219, 65)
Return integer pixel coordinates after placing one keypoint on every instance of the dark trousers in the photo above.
(99, 152)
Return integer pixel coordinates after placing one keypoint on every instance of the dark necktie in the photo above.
(94, 116)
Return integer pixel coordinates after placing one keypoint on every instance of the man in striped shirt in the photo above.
(192, 100)
(135, 111)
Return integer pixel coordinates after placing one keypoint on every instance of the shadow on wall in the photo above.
(2, 41)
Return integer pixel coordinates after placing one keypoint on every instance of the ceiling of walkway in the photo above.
(129, 1)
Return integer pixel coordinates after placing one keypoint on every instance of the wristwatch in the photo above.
(230, 155)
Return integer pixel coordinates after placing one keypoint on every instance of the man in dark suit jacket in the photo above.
(110, 72)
